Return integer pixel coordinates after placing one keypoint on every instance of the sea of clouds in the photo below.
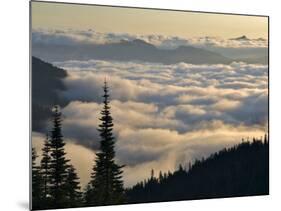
(164, 115)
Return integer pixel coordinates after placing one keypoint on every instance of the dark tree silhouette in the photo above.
(55, 183)
(58, 164)
(36, 183)
(45, 171)
(161, 177)
(72, 188)
(88, 195)
(106, 179)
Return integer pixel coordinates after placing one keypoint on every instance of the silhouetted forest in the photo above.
(242, 170)
(239, 171)
(55, 183)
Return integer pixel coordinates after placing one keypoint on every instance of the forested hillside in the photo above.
(242, 170)
(46, 82)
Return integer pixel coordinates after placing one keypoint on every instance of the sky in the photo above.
(164, 114)
(142, 21)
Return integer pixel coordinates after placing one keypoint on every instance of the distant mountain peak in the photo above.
(141, 42)
(261, 39)
(243, 37)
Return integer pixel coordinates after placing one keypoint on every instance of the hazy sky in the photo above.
(141, 21)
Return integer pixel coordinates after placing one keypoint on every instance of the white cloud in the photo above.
(213, 91)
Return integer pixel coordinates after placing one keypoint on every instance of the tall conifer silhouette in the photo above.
(72, 188)
(106, 179)
(45, 171)
(58, 164)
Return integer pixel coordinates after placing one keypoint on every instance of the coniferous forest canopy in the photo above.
(151, 108)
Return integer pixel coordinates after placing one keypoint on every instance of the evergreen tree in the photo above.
(106, 179)
(181, 168)
(45, 171)
(36, 182)
(72, 188)
(165, 175)
(161, 178)
(58, 164)
(152, 174)
(265, 139)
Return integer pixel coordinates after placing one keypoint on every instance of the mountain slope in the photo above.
(242, 170)
(46, 82)
(136, 50)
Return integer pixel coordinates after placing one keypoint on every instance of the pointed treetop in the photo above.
(180, 168)
(105, 89)
(265, 139)
(152, 173)
(105, 84)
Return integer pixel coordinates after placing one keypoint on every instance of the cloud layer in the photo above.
(164, 115)
(74, 37)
